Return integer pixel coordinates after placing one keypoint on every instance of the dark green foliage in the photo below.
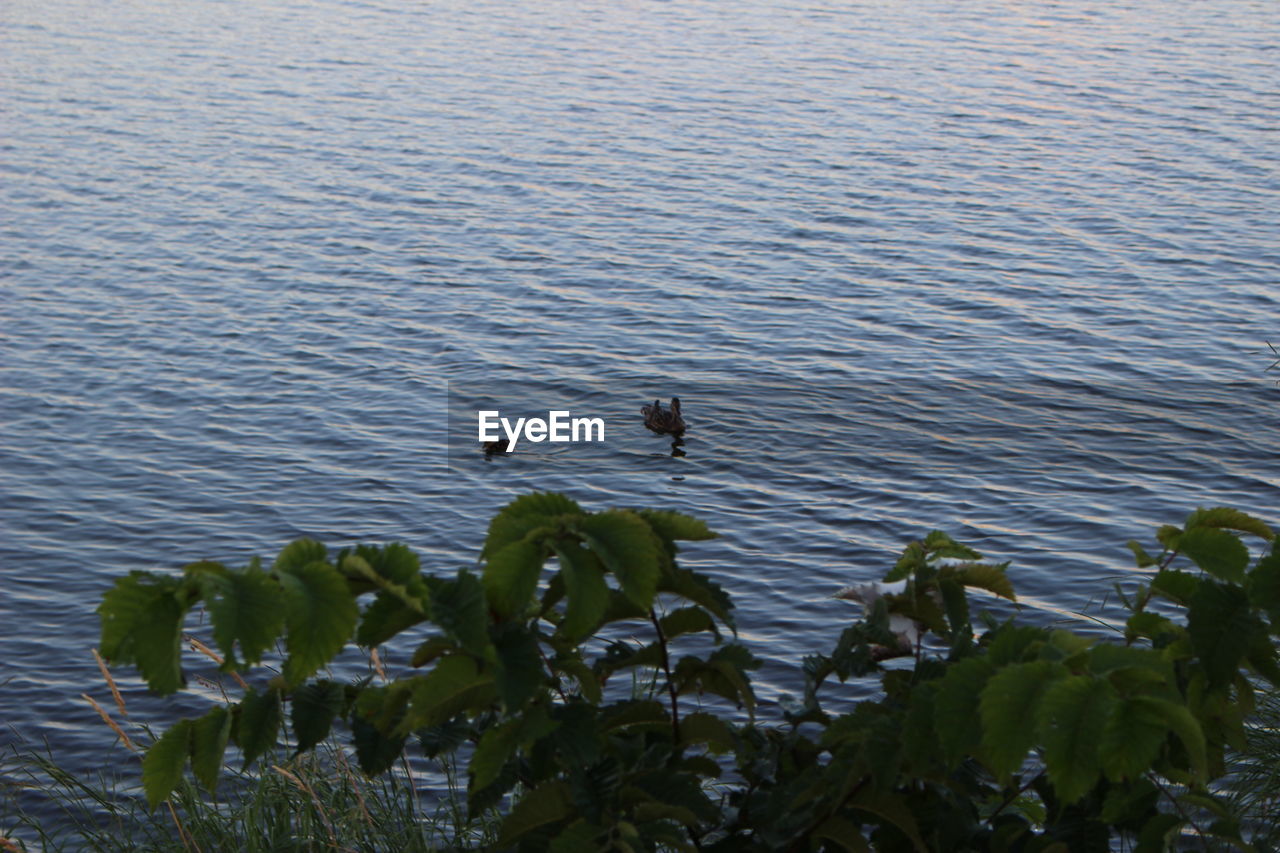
(1020, 739)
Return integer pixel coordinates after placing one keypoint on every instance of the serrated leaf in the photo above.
(674, 525)
(1183, 724)
(299, 553)
(1131, 740)
(628, 548)
(245, 607)
(511, 576)
(1222, 629)
(385, 617)
(209, 736)
(986, 576)
(700, 590)
(458, 606)
(432, 648)
(1177, 586)
(1073, 714)
(701, 727)
(395, 562)
(957, 707)
(527, 512)
(687, 620)
(257, 727)
(496, 747)
(1009, 705)
(1231, 519)
(413, 596)
(895, 809)
(1140, 555)
(162, 765)
(1168, 536)
(519, 671)
(313, 708)
(585, 587)
(1263, 583)
(142, 623)
(547, 803)
(376, 750)
(843, 832)
(455, 685)
(320, 615)
(1217, 552)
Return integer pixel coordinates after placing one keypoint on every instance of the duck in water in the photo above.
(664, 421)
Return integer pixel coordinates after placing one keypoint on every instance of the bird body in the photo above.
(664, 421)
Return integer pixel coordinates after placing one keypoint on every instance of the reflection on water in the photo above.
(994, 268)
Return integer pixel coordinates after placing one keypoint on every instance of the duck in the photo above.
(492, 447)
(664, 421)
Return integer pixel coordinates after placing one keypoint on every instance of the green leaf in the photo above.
(687, 620)
(957, 707)
(1140, 555)
(432, 648)
(245, 607)
(701, 727)
(1231, 519)
(496, 747)
(700, 590)
(385, 617)
(142, 623)
(548, 803)
(1131, 740)
(842, 832)
(1222, 629)
(209, 736)
(988, 576)
(628, 548)
(458, 606)
(1073, 715)
(1263, 583)
(396, 562)
(455, 685)
(524, 514)
(163, 763)
(1175, 585)
(893, 808)
(314, 707)
(585, 586)
(258, 725)
(376, 750)
(1009, 704)
(511, 576)
(520, 671)
(1157, 832)
(320, 614)
(412, 595)
(1219, 553)
(1182, 723)
(674, 525)
(300, 553)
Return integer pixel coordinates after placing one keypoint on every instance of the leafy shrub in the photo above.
(1021, 739)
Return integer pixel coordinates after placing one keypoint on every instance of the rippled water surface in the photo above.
(1000, 268)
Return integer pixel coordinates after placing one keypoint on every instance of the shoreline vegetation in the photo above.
(584, 691)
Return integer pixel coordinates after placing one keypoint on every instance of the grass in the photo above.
(316, 801)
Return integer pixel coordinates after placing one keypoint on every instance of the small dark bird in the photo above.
(664, 421)
(492, 447)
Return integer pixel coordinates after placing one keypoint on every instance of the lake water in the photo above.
(1005, 269)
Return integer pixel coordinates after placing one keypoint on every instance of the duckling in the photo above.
(664, 421)
(492, 447)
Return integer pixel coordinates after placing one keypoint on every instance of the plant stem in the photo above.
(666, 668)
